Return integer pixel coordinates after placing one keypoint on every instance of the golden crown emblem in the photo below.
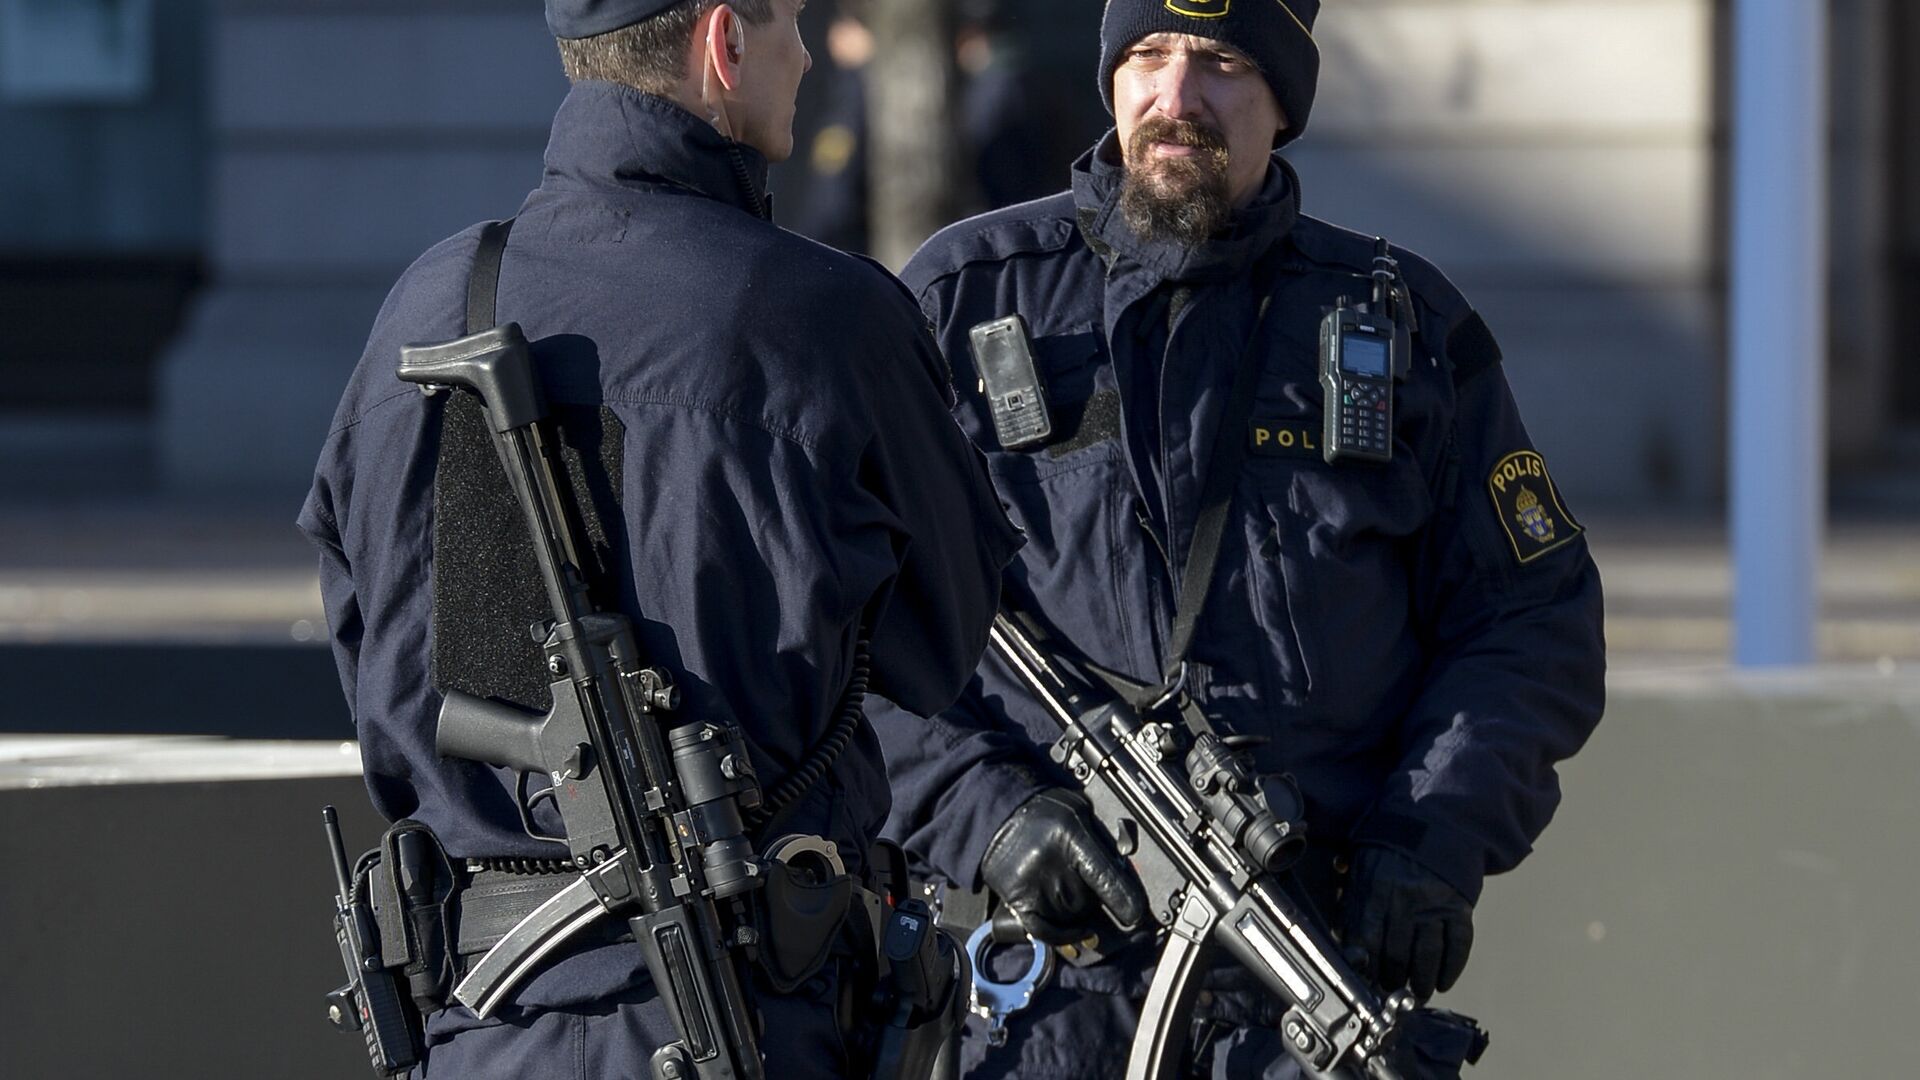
(1526, 500)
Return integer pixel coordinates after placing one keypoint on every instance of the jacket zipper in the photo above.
(1146, 526)
(1176, 304)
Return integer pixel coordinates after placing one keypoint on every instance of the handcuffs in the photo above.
(994, 1001)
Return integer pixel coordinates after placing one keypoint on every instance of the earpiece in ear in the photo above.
(735, 46)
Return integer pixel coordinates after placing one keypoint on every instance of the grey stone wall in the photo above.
(346, 139)
(112, 177)
(1564, 162)
(1556, 159)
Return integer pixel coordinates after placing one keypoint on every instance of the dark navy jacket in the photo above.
(1420, 641)
(790, 469)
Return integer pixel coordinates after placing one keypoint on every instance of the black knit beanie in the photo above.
(1276, 34)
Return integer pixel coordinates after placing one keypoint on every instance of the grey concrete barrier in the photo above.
(1731, 889)
(1728, 892)
(166, 908)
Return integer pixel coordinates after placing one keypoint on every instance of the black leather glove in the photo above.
(1054, 867)
(1404, 926)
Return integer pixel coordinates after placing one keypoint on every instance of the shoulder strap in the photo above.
(483, 286)
(1216, 498)
(1472, 349)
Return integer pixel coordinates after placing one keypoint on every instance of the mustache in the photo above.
(1161, 129)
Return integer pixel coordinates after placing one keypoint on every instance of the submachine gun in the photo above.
(654, 802)
(1185, 805)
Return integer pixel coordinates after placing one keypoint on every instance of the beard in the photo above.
(1181, 199)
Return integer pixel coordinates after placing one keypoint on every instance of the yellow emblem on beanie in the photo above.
(1200, 9)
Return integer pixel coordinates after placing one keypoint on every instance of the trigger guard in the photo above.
(526, 804)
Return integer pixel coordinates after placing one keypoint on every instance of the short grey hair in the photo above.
(650, 55)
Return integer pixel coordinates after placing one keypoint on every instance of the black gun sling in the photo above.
(1229, 453)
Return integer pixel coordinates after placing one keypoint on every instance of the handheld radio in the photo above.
(1364, 350)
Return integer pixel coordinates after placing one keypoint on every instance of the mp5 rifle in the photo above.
(1201, 828)
(653, 801)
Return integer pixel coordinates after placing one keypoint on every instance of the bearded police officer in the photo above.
(758, 429)
(1407, 614)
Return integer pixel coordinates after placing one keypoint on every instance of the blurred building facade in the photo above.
(1564, 160)
(103, 175)
(344, 140)
(1566, 163)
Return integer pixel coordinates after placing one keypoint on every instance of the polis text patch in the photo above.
(1274, 438)
(1528, 507)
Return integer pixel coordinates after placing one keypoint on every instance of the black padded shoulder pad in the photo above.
(939, 369)
(899, 285)
(1472, 349)
(486, 583)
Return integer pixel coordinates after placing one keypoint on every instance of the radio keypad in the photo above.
(1363, 416)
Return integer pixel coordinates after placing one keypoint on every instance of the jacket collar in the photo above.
(611, 136)
(1252, 230)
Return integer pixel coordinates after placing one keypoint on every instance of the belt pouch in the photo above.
(412, 885)
(800, 918)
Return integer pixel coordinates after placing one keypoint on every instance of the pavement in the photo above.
(146, 570)
(136, 615)
(141, 569)
(1669, 587)
(143, 616)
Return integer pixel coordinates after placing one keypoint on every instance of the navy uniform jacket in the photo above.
(790, 469)
(1421, 642)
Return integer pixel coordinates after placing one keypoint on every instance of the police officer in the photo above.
(1009, 121)
(834, 209)
(760, 428)
(1419, 641)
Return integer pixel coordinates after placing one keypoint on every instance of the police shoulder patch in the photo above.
(1528, 507)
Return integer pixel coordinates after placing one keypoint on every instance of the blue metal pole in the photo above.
(1778, 336)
